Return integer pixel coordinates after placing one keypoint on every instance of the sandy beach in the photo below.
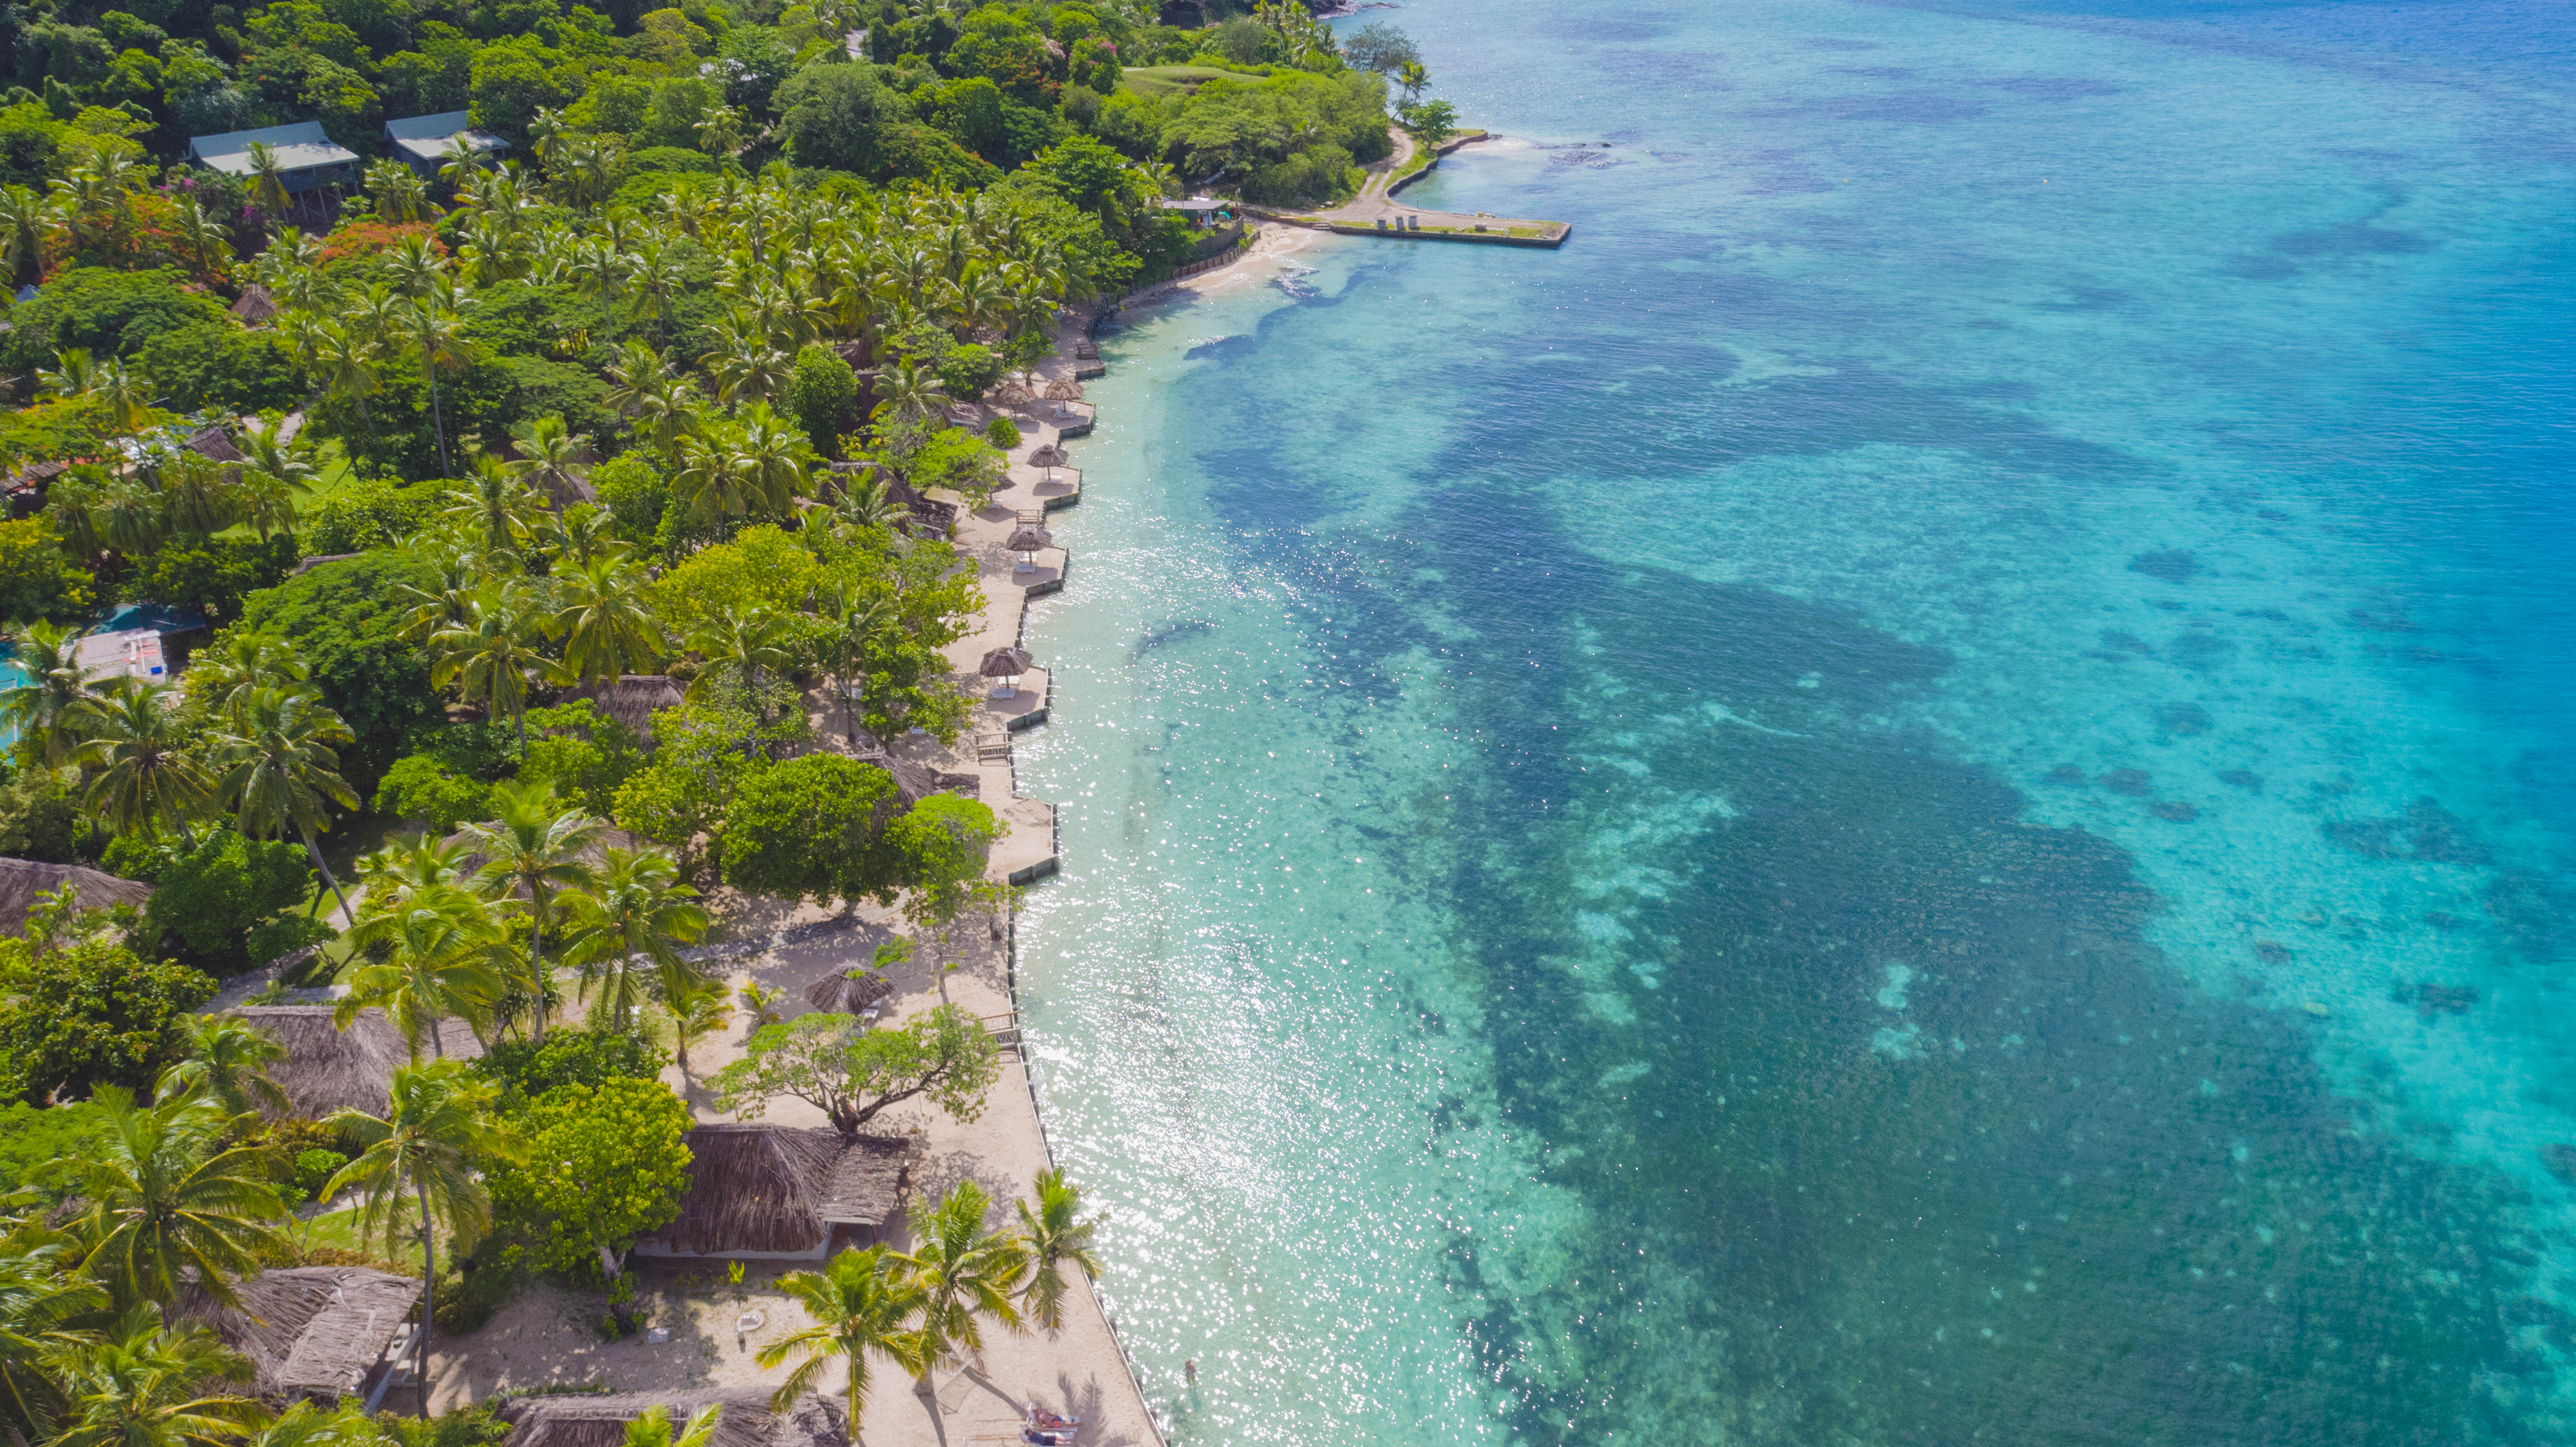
(711, 1329)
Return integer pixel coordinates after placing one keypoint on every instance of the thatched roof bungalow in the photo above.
(327, 1068)
(582, 1420)
(315, 1332)
(776, 1192)
(633, 700)
(21, 880)
(849, 991)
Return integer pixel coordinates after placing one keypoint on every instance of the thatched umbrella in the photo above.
(1007, 664)
(849, 992)
(1028, 543)
(1015, 393)
(1061, 391)
(1047, 459)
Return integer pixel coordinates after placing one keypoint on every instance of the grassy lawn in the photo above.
(1423, 156)
(1162, 80)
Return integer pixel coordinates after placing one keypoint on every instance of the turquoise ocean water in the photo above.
(1920, 792)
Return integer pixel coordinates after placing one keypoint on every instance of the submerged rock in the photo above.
(2183, 718)
(2560, 1162)
(2127, 781)
(2426, 832)
(2272, 952)
(2174, 811)
(2433, 1000)
(2065, 774)
(2173, 565)
(2245, 779)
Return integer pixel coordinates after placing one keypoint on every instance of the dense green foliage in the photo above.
(588, 1058)
(211, 897)
(88, 1014)
(606, 1164)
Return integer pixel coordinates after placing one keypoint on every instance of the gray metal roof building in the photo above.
(423, 140)
(309, 159)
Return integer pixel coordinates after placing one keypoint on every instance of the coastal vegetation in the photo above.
(546, 543)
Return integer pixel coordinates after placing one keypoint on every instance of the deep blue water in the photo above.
(1919, 792)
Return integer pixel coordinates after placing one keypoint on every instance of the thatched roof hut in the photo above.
(21, 880)
(849, 992)
(215, 443)
(327, 1068)
(779, 1191)
(256, 305)
(633, 700)
(309, 1331)
(582, 1420)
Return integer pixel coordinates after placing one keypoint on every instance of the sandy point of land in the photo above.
(1272, 243)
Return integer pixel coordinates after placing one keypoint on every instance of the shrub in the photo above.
(315, 1168)
(1309, 178)
(1003, 433)
(671, 159)
(272, 940)
(92, 1014)
(572, 1057)
(212, 895)
(417, 789)
(363, 513)
(819, 395)
(969, 371)
(113, 313)
(634, 494)
(217, 366)
(40, 820)
(36, 580)
(32, 1136)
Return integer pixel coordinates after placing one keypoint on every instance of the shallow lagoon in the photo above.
(1918, 791)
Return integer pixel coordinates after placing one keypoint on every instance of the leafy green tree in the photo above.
(89, 1014)
(588, 1058)
(821, 394)
(344, 620)
(842, 118)
(859, 1305)
(422, 1158)
(634, 495)
(37, 579)
(701, 755)
(606, 1164)
(1429, 122)
(217, 366)
(417, 788)
(1053, 1236)
(107, 312)
(811, 828)
(851, 1074)
(211, 895)
(582, 752)
(144, 1386)
(172, 1200)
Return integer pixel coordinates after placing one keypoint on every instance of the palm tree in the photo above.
(911, 391)
(653, 1429)
(1054, 1237)
(170, 1202)
(268, 189)
(698, 1009)
(439, 949)
(143, 775)
(492, 653)
(846, 647)
(537, 849)
(286, 462)
(228, 1061)
(436, 1129)
(494, 503)
(547, 452)
(438, 334)
(399, 873)
(965, 1272)
(400, 198)
(634, 911)
(223, 676)
(75, 374)
(149, 1386)
(43, 710)
(205, 236)
(1413, 77)
(280, 770)
(605, 619)
(127, 393)
(859, 1304)
(742, 644)
(25, 217)
(40, 1307)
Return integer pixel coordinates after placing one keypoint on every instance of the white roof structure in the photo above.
(133, 653)
(423, 140)
(304, 153)
(1198, 203)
